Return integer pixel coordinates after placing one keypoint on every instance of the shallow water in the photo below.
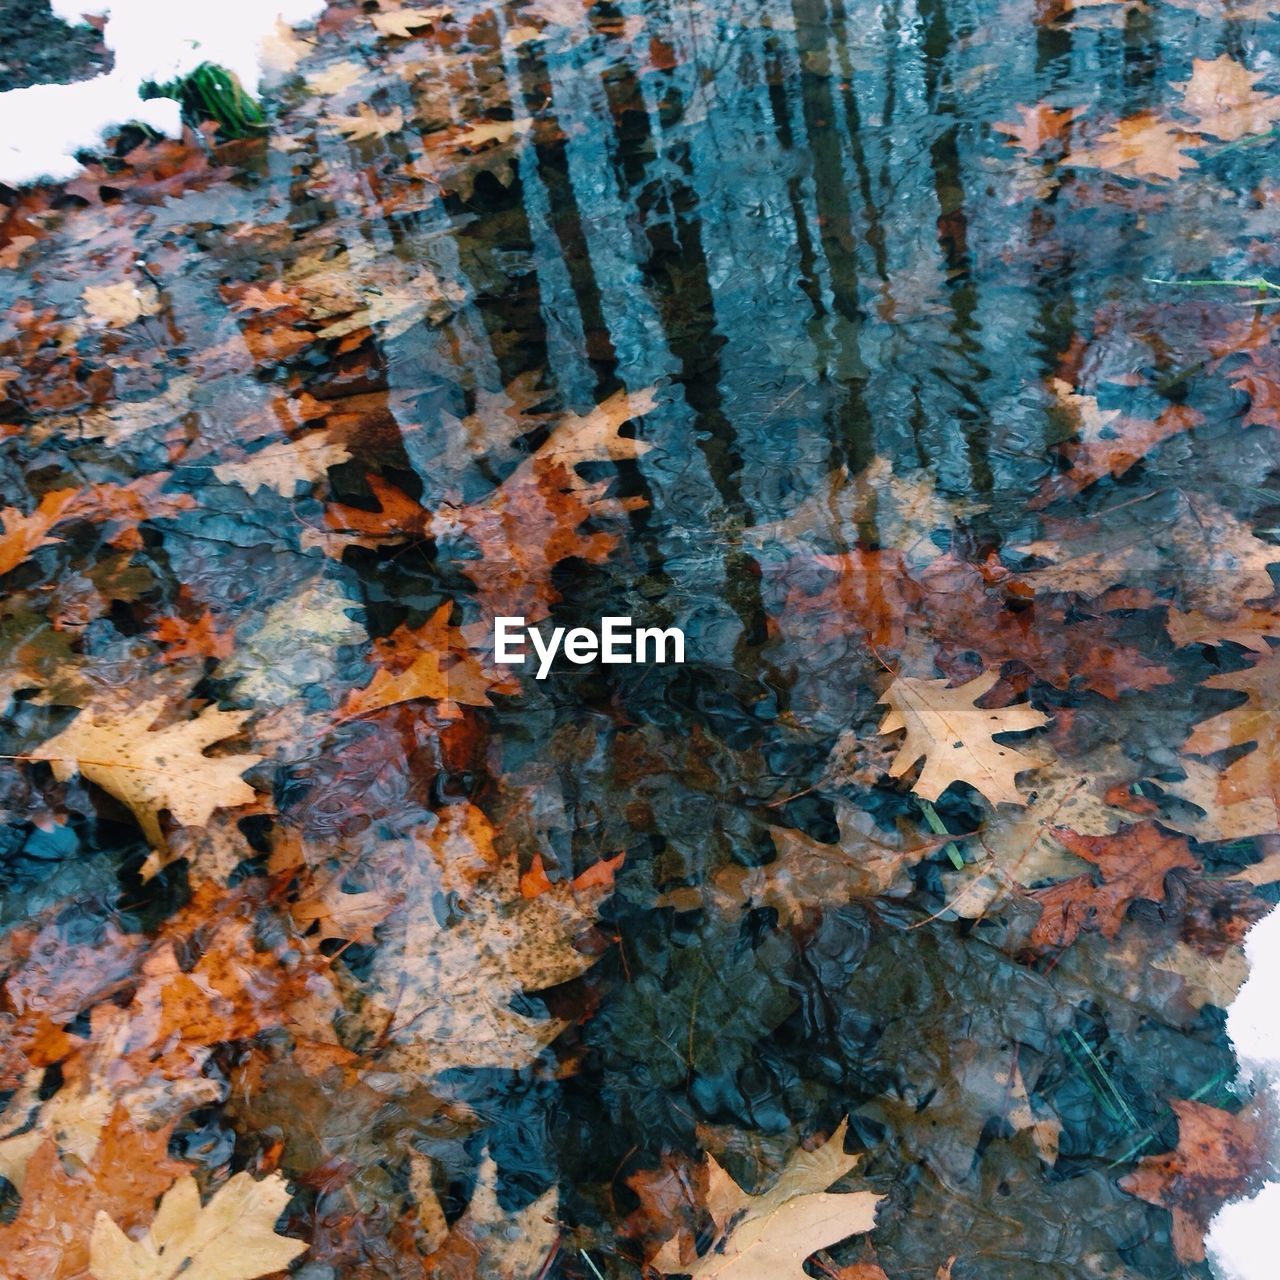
(865, 320)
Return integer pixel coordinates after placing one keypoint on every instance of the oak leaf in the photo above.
(1248, 627)
(769, 1236)
(366, 124)
(1116, 449)
(1142, 146)
(1180, 540)
(23, 534)
(432, 662)
(1259, 379)
(980, 608)
(120, 304)
(1133, 864)
(1218, 1155)
(900, 512)
(1039, 124)
(955, 738)
(154, 770)
(1220, 94)
(439, 991)
(404, 22)
(184, 638)
(230, 1238)
(1253, 778)
(49, 1239)
(808, 875)
(285, 465)
(491, 1244)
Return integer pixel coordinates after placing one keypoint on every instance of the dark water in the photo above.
(862, 313)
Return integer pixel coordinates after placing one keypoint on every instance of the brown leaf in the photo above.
(1218, 1156)
(1142, 146)
(1133, 864)
(49, 1239)
(955, 738)
(431, 662)
(769, 1236)
(154, 770)
(1255, 777)
(1117, 448)
(1039, 125)
(23, 534)
(202, 638)
(1220, 94)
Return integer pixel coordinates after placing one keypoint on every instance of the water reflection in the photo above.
(903, 398)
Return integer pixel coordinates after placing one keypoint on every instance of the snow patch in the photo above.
(1241, 1240)
(42, 126)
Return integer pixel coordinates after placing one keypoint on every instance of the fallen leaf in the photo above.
(491, 1244)
(1253, 778)
(50, 1237)
(154, 770)
(440, 988)
(1219, 1155)
(230, 1238)
(23, 534)
(1039, 125)
(404, 22)
(431, 662)
(1133, 863)
(285, 465)
(769, 1236)
(1221, 96)
(1247, 627)
(201, 638)
(1142, 146)
(1179, 542)
(366, 124)
(955, 738)
(117, 305)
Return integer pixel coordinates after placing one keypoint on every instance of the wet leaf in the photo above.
(1132, 863)
(1221, 96)
(1210, 1165)
(1038, 126)
(955, 738)
(1142, 146)
(232, 1237)
(771, 1235)
(151, 770)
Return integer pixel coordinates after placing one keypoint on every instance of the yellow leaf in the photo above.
(230, 1238)
(151, 770)
(768, 1237)
(366, 123)
(955, 738)
(403, 23)
(120, 304)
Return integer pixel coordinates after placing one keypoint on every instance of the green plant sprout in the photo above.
(213, 93)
